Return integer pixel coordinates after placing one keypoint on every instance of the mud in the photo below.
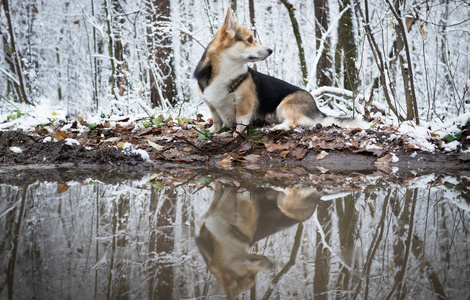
(320, 150)
(35, 151)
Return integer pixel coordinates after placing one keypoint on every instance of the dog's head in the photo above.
(238, 43)
(236, 272)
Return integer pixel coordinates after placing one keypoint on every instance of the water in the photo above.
(365, 236)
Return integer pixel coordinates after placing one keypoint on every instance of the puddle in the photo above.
(207, 234)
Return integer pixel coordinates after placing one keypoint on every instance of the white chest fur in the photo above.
(218, 95)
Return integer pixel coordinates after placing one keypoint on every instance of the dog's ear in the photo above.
(230, 22)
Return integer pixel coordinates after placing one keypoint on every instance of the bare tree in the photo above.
(321, 25)
(298, 38)
(18, 81)
(109, 33)
(346, 50)
(405, 64)
(162, 71)
(121, 64)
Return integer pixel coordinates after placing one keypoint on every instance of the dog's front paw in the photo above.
(240, 128)
(215, 128)
(279, 127)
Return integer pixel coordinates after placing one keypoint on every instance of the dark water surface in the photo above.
(207, 235)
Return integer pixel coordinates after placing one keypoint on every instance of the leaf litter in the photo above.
(189, 141)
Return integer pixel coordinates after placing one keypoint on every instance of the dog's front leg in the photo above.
(245, 106)
(216, 120)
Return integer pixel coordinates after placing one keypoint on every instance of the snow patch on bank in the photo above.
(16, 150)
(418, 134)
(71, 142)
(129, 149)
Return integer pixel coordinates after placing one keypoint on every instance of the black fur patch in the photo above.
(270, 91)
(203, 72)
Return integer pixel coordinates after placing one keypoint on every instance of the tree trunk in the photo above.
(346, 51)
(121, 66)
(321, 25)
(162, 71)
(378, 58)
(19, 85)
(251, 7)
(94, 62)
(233, 5)
(112, 78)
(298, 38)
(407, 72)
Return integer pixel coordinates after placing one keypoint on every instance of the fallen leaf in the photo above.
(111, 139)
(322, 155)
(252, 158)
(384, 163)
(355, 130)
(272, 147)
(155, 175)
(225, 162)
(284, 154)
(61, 135)
(386, 159)
(275, 174)
(62, 188)
(322, 169)
(156, 146)
(246, 146)
(299, 153)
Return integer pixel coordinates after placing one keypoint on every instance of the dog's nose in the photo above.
(270, 51)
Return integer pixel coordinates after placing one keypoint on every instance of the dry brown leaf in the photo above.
(252, 158)
(246, 146)
(386, 159)
(272, 147)
(62, 188)
(384, 163)
(275, 174)
(61, 135)
(299, 152)
(225, 162)
(322, 155)
(284, 154)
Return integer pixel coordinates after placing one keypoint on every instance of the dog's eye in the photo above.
(250, 40)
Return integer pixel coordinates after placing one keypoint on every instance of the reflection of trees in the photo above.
(322, 253)
(347, 219)
(403, 231)
(161, 243)
(99, 241)
(13, 235)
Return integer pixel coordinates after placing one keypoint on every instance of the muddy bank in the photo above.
(319, 150)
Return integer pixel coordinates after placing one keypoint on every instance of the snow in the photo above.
(418, 134)
(76, 72)
(452, 146)
(71, 142)
(129, 149)
(16, 149)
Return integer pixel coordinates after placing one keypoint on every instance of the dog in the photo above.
(238, 95)
(237, 218)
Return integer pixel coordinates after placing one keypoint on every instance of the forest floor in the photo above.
(163, 144)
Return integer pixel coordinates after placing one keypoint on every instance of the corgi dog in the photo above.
(237, 95)
(237, 218)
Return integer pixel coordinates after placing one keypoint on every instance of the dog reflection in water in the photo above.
(236, 219)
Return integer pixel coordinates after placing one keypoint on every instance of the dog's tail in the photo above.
(344, 122)
(300, 109)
